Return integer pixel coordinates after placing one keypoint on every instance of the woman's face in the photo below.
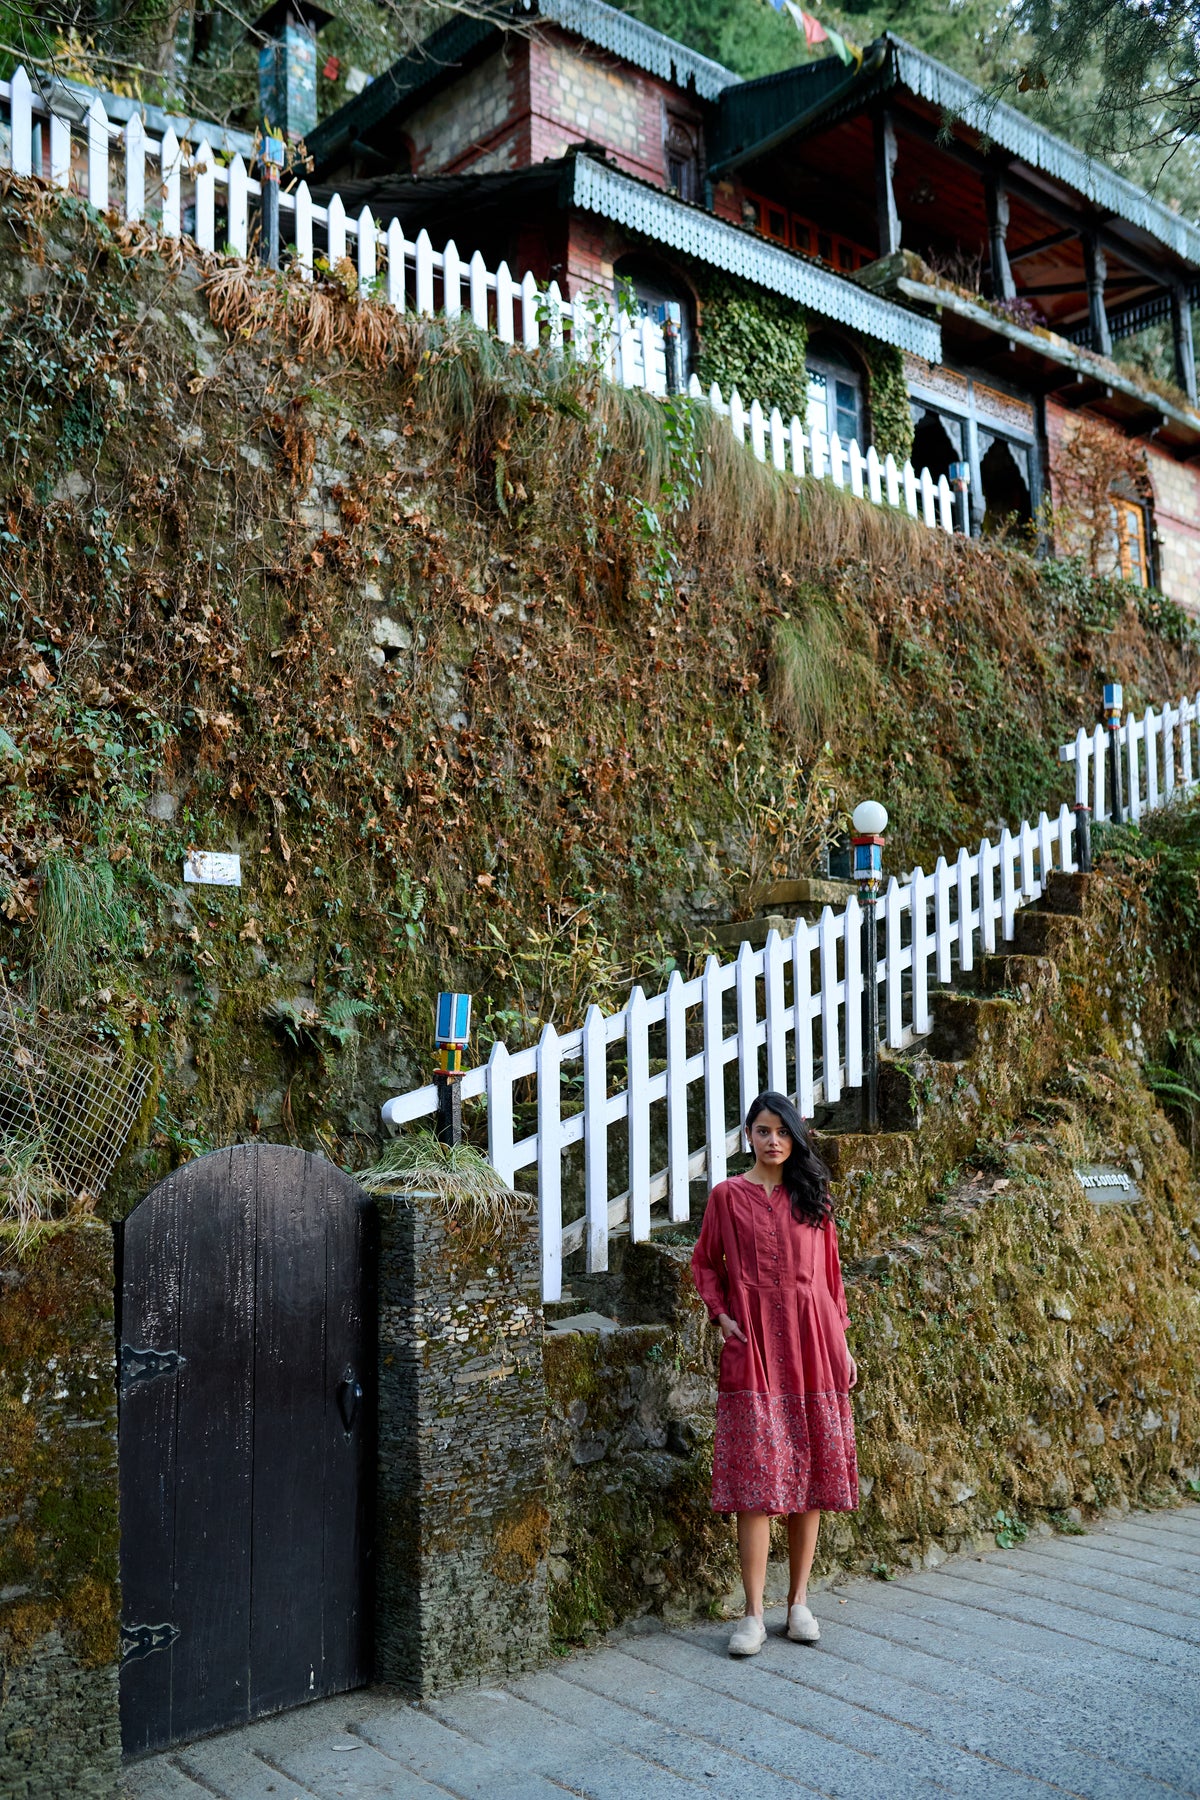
(770, 1139)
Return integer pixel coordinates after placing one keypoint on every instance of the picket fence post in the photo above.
(135, 169)
(97, 156)
(677, 1119)
(335, 231)
(549, 1134)
(170, 164)
(238, 193)
(478, 286)
(595, 1140)
(20, 118)
(424, 275)
(637, 1084)
(505, 296)
(714, 1069)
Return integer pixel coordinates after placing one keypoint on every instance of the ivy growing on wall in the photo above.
(753, 342)
(891, 415)
(758, 343)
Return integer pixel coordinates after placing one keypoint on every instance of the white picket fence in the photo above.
(635, 1105)
(172, 185)
(1158, 745)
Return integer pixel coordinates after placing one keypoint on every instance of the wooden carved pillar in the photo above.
(1181, 328)
(885, 193)
(1096, 268)
(1003, 285)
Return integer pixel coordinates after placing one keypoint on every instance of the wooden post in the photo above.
(1003, 285)
(1181, 329)
(449, 1108)
(885, 193)
(1096, 269)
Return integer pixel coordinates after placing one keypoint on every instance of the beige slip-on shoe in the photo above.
(748, 1636)
(802, 1627)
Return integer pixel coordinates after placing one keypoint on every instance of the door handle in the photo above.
(349, 1393)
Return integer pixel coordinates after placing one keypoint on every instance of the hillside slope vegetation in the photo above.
(496, 677)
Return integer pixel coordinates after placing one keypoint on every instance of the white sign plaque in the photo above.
(1107, 1187)
(213, 868)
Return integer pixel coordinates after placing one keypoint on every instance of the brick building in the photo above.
(991, 260)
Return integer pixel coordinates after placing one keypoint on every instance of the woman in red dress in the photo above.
(766, 1266)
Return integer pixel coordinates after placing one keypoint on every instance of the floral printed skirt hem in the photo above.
(784, 1453)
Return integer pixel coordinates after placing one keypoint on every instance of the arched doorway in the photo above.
(1005, 484)
(933, 446)
(247, 1331)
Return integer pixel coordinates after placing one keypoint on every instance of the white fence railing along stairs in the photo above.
(179, 188)
(634, 1106)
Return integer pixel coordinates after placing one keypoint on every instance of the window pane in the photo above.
(847, 410)
(818, 412)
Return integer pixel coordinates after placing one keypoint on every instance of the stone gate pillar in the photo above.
(463, 1528)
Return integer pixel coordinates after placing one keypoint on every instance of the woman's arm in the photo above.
(833, 1275)
(833, 1272)
(708, 1261)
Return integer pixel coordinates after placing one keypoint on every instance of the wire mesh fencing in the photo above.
(67, 1099)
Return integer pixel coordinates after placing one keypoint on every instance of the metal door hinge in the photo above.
(146, 1365)
(138, 1641)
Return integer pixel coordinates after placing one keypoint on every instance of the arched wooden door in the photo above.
(247, 1441)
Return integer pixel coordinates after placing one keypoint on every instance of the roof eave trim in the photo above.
(686, 229)
(624, 36)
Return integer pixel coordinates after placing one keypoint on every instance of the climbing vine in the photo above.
(756, 343)
(891, 415)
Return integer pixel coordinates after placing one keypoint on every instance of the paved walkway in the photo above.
(1068, 1666)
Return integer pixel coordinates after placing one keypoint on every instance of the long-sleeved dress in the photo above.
(785, 1433)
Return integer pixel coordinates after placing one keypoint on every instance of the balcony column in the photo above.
(1181, 330)
(1003, 285)
(885, 192)
(1096, 268)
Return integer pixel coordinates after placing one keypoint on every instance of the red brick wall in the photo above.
(1175, 489)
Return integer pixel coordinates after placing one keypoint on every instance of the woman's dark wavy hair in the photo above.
(805, 1176)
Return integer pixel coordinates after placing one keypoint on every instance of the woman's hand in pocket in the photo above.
(729, 1328)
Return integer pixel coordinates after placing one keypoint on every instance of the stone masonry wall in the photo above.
(480, 122)
(59, 1598)
(578, 92)
(462, 1520)
(1176, 488)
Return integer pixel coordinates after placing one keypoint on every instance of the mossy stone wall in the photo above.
(463, 1523)
(59, 1596)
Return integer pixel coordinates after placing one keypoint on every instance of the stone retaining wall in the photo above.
(59, 1598)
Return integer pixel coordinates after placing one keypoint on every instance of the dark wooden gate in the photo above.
(247, 1441)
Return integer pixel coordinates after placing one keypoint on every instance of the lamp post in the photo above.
(451, 1033)
(960, 481)
(870, 822)
(1113, 702)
